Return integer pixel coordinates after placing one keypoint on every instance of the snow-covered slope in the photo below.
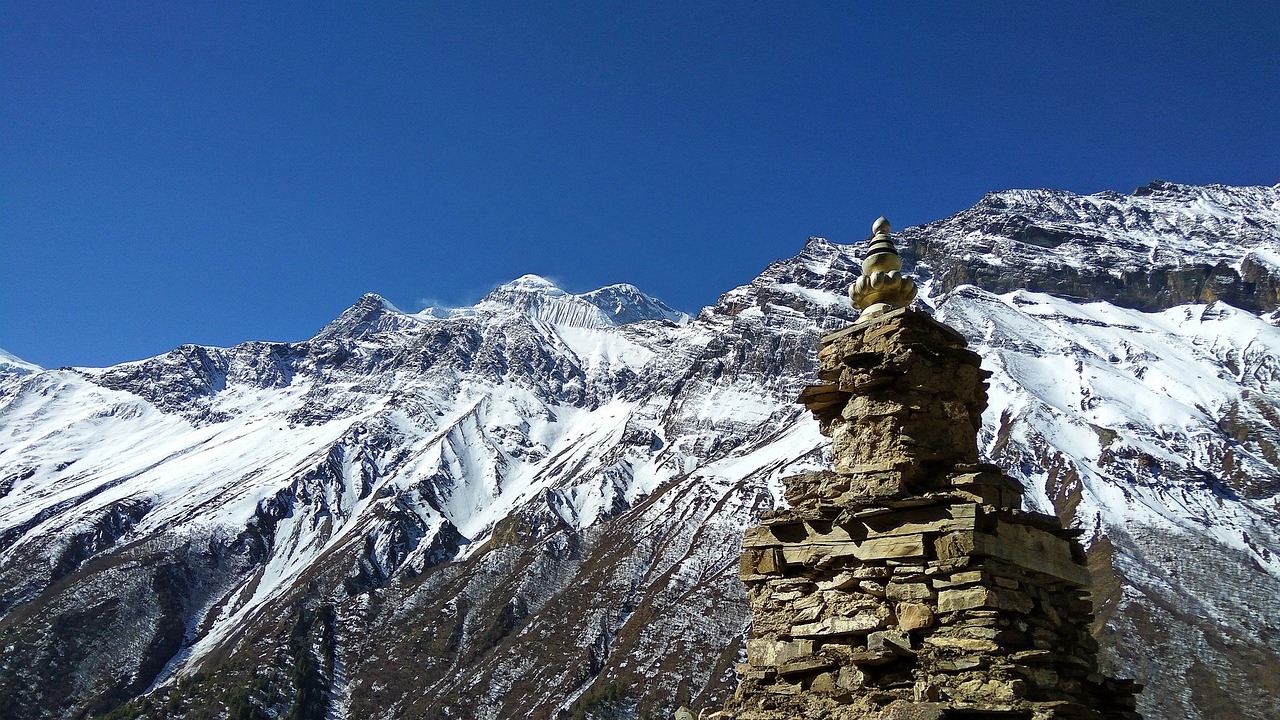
(11, 364)
(540, 299)
(534, 505)
(1164, 245)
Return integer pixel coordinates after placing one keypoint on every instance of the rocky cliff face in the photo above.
(533, 507)
(1164, 245)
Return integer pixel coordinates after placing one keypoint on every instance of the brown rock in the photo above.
(913, 616)
(909, 591)
(856, 625)
(983, 597)
(894, 641)
(969, 645)
(776, 652)
(805, 665)
(903, 710)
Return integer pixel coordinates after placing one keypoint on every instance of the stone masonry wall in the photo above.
(907, 583)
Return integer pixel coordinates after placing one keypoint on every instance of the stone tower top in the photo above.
(882, 286)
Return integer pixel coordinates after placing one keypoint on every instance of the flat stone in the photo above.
(954, 600)
(842, 581)
(755, 673)
(860, 624)
(982, 597)
(806, 665)
(776, 652)
(872, 657)
(1037, 550)
(968, 577)
(1031, 656)
(909, 591)
(1001, 691)
(970, 645)
(808, 601)
(968, 662)
(892, 547)
(903, 710)
(894, 641)
(808, 614)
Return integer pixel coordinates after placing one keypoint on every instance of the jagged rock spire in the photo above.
(882, 286)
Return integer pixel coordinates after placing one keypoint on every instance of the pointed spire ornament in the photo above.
(882, 286)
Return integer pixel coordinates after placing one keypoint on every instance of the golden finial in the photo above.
(882, 286)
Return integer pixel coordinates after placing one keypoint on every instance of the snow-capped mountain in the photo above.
(11, 364)
(540, 299)
(533, 507)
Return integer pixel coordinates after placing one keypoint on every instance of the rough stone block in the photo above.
(860, 624)
(806, 665)
(850, 678)
(954, 545)
(808, 614)
(909, 591)
(960, 664)
(983, 597)
(961, 579)
(954, 600)
(913, 616)
(968, 645)
(903, 710)
(894, 641)
(762, 652)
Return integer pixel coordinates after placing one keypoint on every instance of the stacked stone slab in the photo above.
(907, 583)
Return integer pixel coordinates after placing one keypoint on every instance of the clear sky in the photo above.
(216, 172)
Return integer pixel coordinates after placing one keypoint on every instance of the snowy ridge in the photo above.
(11, 364)
(1164, 245)
(540, 299)
(517, 505)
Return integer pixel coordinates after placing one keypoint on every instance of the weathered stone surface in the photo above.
(895, 641)
(983, 597)
(775, 652)
(858, 624)
(902, 710)
(914, 616)
(966, 644)
(909, 591)
(805, 665)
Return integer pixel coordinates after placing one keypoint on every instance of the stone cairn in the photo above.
(907, 583)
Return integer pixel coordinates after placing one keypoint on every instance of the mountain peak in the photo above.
(531, 283)
(371, 314)
(617, 304)
(625, 303)
(11, 364)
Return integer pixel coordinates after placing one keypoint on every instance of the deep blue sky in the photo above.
(215, 172)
